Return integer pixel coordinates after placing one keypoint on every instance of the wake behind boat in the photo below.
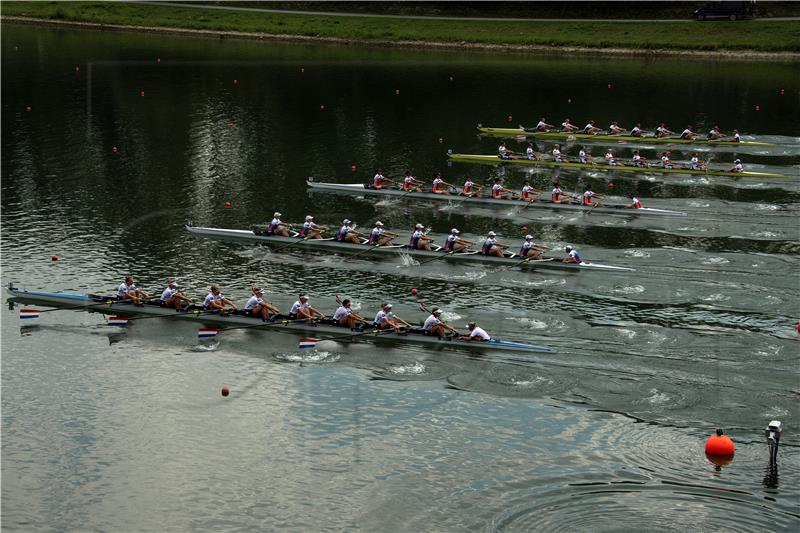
(358, 188)
(321, 328)
(258, 234)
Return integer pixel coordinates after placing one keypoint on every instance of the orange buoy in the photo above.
(610, 184)
(227, 205)
(720, 445)
(225, 391)
(524, 228)
(414, 291)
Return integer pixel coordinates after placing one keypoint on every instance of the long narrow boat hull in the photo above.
(108, 305)
(358, 188)
(495, 160)
(330, 245)
(557, 135)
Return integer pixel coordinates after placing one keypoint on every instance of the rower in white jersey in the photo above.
(584, 157)
(662, 131)
(476, 333)
(615, 129)
(434, 326)
(380, 236)
(737, 166)
(715, 134)
(379, 180)
(418, 240)
(609, 157)
(637, 131)
(696, 163)
(127, 291)
(572, 256)
(172, 297)
(688, 133)
(529, 194)
(638, 160)
(504, 152)
(557, 155)
(665, 162)
(215, 301)
(491, 246)
(454, 243)
(568, 127)
(438, 186)
(346, 232)
(302, 310)
(557, 193)
(309, 230)
(589, 196)
(470, 188)
(543, 126)
(256, 306)
(736, 137)
(385, 319)
(346, 317)
(532, 154)
(635, 203)
(411, 184)
(277, 227)
(531, 249)
(590, 129)
(500, 192)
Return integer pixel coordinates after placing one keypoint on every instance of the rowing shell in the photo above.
(495, 159)
(358, 188)
(558, 135)
(320, 329)
(392, 250)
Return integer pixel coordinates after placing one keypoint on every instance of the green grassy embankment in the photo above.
(759, 36)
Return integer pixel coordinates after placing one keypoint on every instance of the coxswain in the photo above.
(529, 194)
(543, 126)
(127, 291)
(411, 184)
(500, 192)
(490, 245)
(557, 155)
(615, 129)
(567, 126)
(688, 134)
(470, 188)
(386, 319)
(638, 160)
(378, 235)
(438, 186)
(696, 163)
(504, 152)
(637, 131)
(379, 179)
(609, 157)
(591, 129)
(309, 230)
(419, 241)
(531, 249)
(665, 162)
(715, 134)
(572, 255)
(346, 233)
(172, 297)
(737, 166)
(584, 157)
(215, 301)
(588, 195)
(302, 310)
(635, 203)
(476, 333)
(454, 243)
(557, 193)
(736, 137)
(276, 227)
(532, 154)
(662, 131)
(256, 306)
(346, 317)
(434, 326)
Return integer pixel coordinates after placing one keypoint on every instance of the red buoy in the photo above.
(414, 291)
(227, 205)
(53, 258)
(524, 228)
(720, 445)
(610, 184)
(225, 391)
(114, 149)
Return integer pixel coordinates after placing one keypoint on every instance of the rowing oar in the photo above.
(212, 332)
(362, 252)
(311, 343)
(34, 313)
(447, 254)
(292, 243)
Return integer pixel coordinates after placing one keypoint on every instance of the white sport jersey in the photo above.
(341, 312)
(430, 322)
(211, 297)
(168, 293)
(541, 125)
(297, 306)
(480, 333)
(529, 152)
(124, 288)
(252, 302)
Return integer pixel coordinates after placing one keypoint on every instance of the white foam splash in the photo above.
(531, 323)
(698, 203)
(414, 369)
(716, 261)
(766, 207)
(627, 333)
(716, 298)
(633, 289)
(205, 347)
(530, 382)
(657, 397)
(308, 356)
(765, 234)
(546, 282)
(636, 253)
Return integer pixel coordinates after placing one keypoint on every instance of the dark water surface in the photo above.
(108, 430)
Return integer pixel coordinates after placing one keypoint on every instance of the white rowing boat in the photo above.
(359, 188)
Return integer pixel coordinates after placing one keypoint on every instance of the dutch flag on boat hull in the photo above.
(207, 333)
(307, 343)
(28, 313)
(117, 321)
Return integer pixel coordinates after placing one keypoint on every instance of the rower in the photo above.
(379, 179)
(470, 188)
(615, 129)
(500, 192)
(476, 333)
(438, 185)
(172, 297)
(572, 256)
(454, 243)
(696, 163)
(532, 154)
(276, 227)
(557, 155)
(346, 317)
(591, 129)
(543, 126)
(346, 233)
(504, 152)
(215, 301)
(410, 184)
(736, 137)
(737, 166)
(302, 310)
(531, 249)
(588, 194)
(557, 193)
(529, 194)
(309, 230)
(609, 157)
(635, 203)
(567, 126)
(490, 245)
(380, 236)
(637, 131)
(638, 160)
(127, 291)
(715, 134)
(256, 306)
(386, 319)
(665, 162)
(662, 131)
(434, 326)
(688, 134)
(419, 241)
(585, 158)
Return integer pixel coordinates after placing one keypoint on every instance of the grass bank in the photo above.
(760, 36)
